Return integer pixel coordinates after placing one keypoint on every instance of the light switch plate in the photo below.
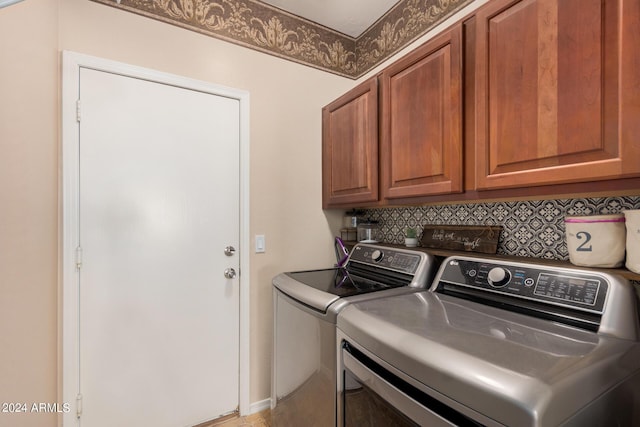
(260, 244)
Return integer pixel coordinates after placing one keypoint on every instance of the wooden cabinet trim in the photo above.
(614, 152)
(349, 175)
(613, 166)
(630, 87)
(415, 162)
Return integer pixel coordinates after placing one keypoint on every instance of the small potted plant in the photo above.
(411, 237)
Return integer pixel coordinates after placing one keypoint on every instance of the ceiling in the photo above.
(350, 17)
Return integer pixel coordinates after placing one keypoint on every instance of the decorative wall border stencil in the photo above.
(405, 22)
(262, 27)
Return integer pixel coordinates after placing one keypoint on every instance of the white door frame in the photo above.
(69, 219)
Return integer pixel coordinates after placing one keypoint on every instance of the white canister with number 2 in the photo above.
(633, 239)
(596, 241)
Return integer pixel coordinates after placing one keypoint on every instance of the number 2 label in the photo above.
(582, 248)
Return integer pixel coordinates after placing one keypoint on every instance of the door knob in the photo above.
(229, 273)
(229, 250)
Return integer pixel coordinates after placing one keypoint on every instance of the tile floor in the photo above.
(260, 419)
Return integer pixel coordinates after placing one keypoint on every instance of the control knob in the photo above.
(377, 255)
(498, 277)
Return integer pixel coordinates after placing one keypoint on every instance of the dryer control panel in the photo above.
(576, 289)
(399, 260)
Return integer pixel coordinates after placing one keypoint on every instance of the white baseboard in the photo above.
(259, 406)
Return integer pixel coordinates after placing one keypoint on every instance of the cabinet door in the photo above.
(350, 147)
(421, 132)
(555, 91)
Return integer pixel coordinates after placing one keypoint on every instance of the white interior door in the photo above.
(158, 204)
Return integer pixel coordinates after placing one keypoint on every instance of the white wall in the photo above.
(28, 207)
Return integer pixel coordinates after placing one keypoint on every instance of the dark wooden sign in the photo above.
(468, 238)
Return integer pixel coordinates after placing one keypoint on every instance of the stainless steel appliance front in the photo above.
(497, 344)
(306, 305)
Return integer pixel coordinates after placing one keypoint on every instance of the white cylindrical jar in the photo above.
(632, 218)
(597, 240)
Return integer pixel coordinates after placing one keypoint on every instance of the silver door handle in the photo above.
(229, 250)
(229, 273)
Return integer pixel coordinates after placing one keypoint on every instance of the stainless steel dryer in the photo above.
(494, 343)
(306, 304)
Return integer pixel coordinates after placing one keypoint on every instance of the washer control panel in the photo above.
(556, 286)
(402, 261)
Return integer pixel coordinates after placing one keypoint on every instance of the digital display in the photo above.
(567, 288)
(405, 262)
(578, 282)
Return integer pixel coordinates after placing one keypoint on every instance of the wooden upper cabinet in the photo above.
(557, 91)
(421, 120)
(350, 147)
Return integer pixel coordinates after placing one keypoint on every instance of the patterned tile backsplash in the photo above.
(533, 228)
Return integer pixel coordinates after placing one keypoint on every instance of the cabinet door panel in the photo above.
(421, 121)
(548, 105)
(350, 147)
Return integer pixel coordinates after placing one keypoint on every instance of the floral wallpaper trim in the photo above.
(404, 23)
(260, 26)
